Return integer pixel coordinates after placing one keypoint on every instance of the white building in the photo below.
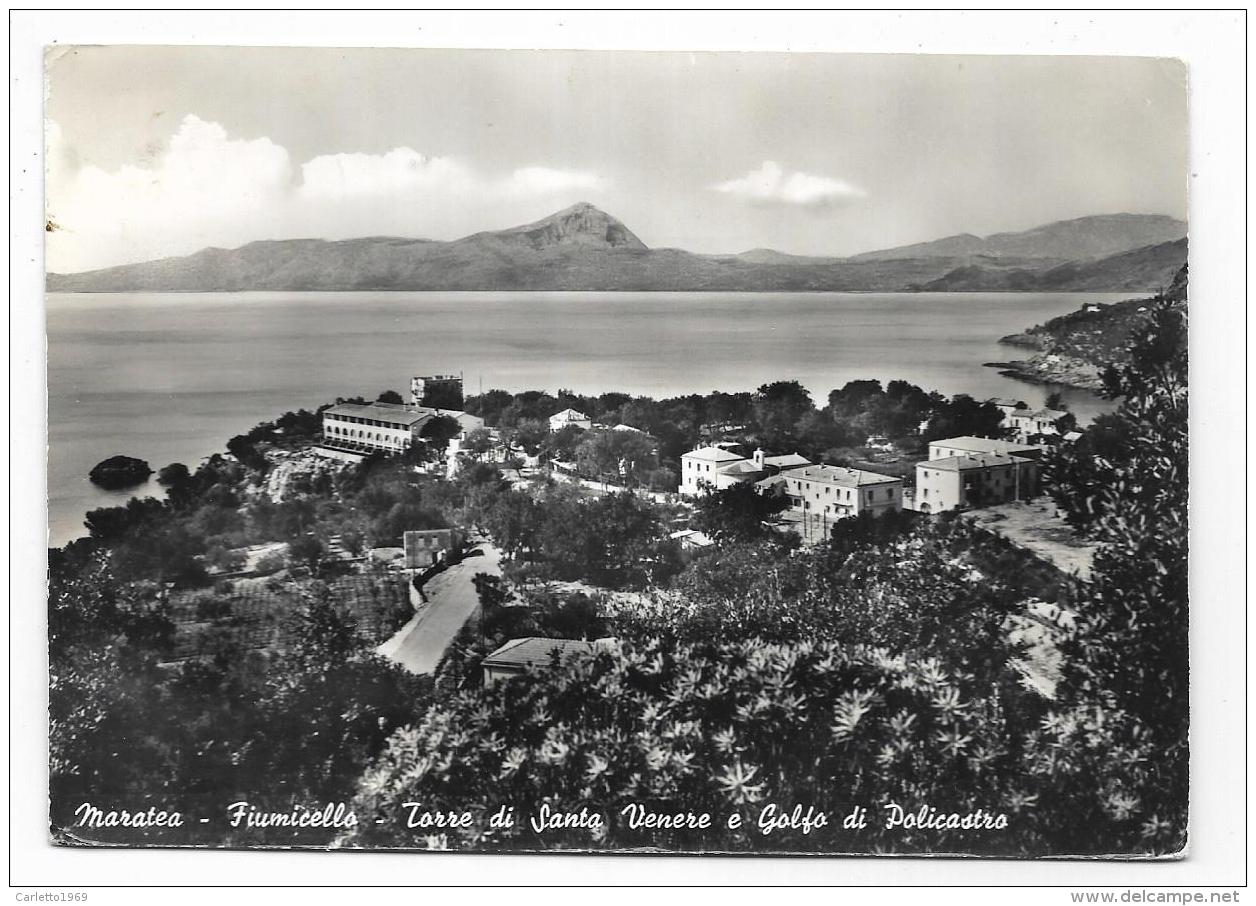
(1008, 406)
(982, 446)
(700, 469)
(436, 390)
(717, 467)
(1040, 421)
(560, 420)
(838, 492)
(382, 427)
(981, 479)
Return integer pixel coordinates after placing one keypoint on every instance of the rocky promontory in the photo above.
(1053, 369)
(1076, 348)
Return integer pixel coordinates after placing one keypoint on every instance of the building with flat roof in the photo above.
(372, 427)
(437, 391)
(837, 491)
(425, 547)
(983, 479)
(982, 446)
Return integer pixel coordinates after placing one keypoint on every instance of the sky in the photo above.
(159, 151)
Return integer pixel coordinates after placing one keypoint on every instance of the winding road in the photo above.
(420, 644)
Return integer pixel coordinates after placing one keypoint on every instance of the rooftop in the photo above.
(383, 412)
(962, 463)
(842, 476)
(741, 467)
(533, 651)
(694, 537)
(786, 461)
(713, 454)
(1052, 414)
(983, 445)
(570, 415)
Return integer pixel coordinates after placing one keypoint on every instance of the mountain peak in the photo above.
(582, 224)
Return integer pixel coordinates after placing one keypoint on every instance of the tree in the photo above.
(512, 520)
(530, 433)
(246, 454)
(562, 444)
(963, 416)
(618, 455)
(177, 481)
(1125, 483)
(307, 550)
(613, 540)
(109, 525)
(777, 409)
(439, 431)
(737, 513)
(390, 396)
(175, 475)
(478, 442)
(489, 405)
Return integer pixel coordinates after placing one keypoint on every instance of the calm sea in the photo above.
(169, 377)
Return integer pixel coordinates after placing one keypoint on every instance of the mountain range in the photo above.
(584, 248)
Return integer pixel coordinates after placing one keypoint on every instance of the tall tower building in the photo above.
(437, 391)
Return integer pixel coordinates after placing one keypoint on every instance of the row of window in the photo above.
(842, 493)
(374, 422)
(357, 433)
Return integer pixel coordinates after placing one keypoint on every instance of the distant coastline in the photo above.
(583, 249)
(1074, 349)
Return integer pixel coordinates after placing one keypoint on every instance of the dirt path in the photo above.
(420, 644)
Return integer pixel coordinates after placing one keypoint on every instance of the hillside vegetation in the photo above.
(1077, 347)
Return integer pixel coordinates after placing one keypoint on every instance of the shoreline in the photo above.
(1072, 373)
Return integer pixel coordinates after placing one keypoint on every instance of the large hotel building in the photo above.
(384, 427)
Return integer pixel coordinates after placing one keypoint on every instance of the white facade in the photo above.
(700, 469)
(840, 492)
(717, 467)
(1041, 421)
(953, 482)
(560, 420)
(382, 427)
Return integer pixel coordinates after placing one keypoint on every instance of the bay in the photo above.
(169, 377)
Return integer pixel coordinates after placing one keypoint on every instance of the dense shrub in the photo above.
(722, 729)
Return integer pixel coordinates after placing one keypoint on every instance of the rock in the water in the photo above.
(119, 472)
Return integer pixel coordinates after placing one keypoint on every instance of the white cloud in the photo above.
(404, 171)
(207, 188)
(345, 177)
(197, 192)
(543, 180)
(772, 185)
